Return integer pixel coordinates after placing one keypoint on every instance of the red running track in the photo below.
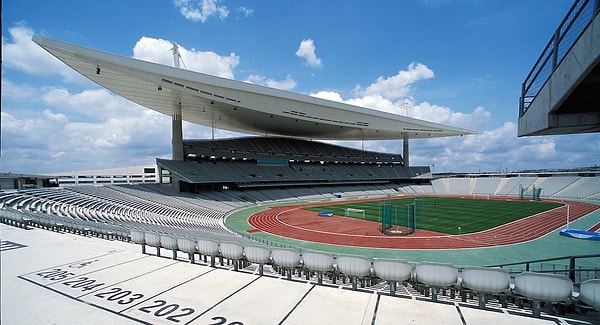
(293, 222)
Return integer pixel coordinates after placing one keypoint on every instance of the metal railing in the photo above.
(566, 35)
(568, 267)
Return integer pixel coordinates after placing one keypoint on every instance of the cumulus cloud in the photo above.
(245, 11)
(497, 149)
(54, 128)
(19, 92)
(21, 53)
(329, 95)
(97, 104)
(398, 86)
(124, 134)
(159, 51)
(201, 10)
(306, 51)
(287, 84)
(394, 95)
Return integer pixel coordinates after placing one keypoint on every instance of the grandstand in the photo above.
(168, 222)
(276, 162)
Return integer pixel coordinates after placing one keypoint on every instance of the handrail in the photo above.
(576, 21)
(572, 263)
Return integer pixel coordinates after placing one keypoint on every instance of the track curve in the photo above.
(293, 222)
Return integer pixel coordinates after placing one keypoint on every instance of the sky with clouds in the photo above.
(456, 62)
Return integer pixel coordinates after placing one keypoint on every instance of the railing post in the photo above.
(522, 100)
(572, 268)
(555, 49)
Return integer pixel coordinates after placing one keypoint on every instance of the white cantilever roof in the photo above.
(238, 106)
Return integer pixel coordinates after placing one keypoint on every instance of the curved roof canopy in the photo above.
(238, 106)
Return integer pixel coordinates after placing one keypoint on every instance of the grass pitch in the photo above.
(449, 215)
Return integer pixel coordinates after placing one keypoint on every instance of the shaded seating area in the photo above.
(253, 148)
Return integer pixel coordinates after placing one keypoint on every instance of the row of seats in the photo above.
(66, 210)
(557, 187)
(256, 147)
(427, 276)
(115, 206)
(60, 224)
(245, 172)
(107, 230)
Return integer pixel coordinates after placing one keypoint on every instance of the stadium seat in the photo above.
(153, 240)
(392, 271)
(354, 267)
(484, 280)
(210, 248)
(169, 242)
(287, 259)
(259, 255)
(543, 287)
(318, 262)
(436, 275)
(187, 245)
(589, 293)
(232, 251)
(137, 237)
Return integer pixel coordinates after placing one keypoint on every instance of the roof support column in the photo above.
(177, 133)
(405, 151)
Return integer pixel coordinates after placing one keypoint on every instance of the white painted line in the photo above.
(184, 303)
(259, 303)
(325, 305)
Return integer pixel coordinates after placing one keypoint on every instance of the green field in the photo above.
(450, 215)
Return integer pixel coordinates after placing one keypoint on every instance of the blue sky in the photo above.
(457, 62)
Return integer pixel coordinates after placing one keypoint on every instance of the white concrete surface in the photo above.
(59, 278)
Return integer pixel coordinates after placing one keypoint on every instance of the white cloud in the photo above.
(53, 128)
(97, 104)
(445, 115)
(306, 51)
(121, 134)
(497, 149)
(21, 53)
(201, 10)
(159, 51)
(398, 86)
(19, 92)
(245, 11)
(329, 95)
(391, 94)
(287, 84)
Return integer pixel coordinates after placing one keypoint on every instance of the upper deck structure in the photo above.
(560, 94)
(235, 105)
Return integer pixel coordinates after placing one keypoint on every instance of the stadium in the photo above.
(302, 230)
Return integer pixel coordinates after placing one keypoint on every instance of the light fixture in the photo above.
(159, 87)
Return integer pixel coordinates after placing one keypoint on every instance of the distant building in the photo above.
(10, 181)
(122, 175)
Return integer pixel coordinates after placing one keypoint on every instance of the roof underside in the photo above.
(238, 106)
